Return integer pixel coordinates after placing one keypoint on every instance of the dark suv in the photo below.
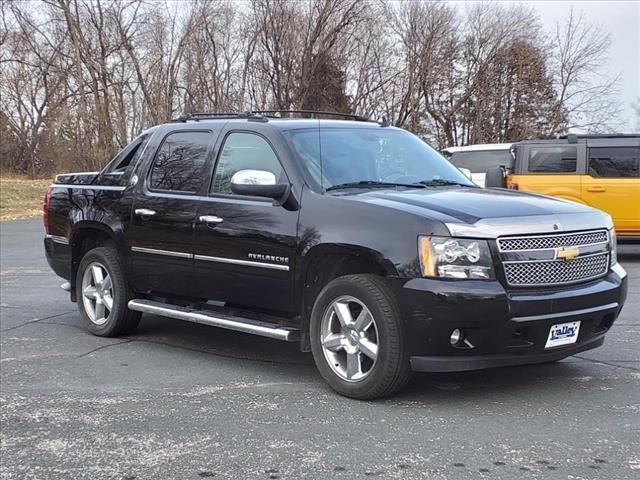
(353, 238)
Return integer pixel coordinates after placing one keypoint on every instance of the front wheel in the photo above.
(103, 293)
(357, 339)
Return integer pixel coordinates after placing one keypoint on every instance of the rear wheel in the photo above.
(357, 339)
(103, 293)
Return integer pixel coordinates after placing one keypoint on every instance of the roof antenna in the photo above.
(384, 122)
(320, 154)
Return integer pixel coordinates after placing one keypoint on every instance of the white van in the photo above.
(479, 159)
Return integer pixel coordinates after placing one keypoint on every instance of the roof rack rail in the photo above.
(264, 115)
(569, 136)
(221, 115)
(272, 113)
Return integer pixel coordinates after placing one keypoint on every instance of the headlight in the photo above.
(450, 257)
(613, 246)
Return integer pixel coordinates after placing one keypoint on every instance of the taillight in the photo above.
(514, 186)
(45, 209)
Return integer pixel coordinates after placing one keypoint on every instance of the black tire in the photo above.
(391, 370)
(120, 319)
(495, 177)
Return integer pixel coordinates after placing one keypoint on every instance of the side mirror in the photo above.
(258, 183)
(466, 172)
(496, 177)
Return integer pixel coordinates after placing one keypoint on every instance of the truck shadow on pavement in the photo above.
(496, 384)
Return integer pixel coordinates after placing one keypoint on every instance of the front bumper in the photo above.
(503, 327)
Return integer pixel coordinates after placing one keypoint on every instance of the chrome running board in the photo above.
(216, 319)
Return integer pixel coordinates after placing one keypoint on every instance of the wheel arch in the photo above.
(86, 235)
(326, 262)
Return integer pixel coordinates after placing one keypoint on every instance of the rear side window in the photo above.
(614, 162)
(482, 161)
(562, 159)
(179, 162)
(243, 151)
(129, 155)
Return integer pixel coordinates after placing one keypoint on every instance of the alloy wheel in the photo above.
(97, 293)
(349, 338)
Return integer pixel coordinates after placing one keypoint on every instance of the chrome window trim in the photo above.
(247, 263)
(166, 253)
(58, 239)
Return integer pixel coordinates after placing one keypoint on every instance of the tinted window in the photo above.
(614, 162)
(179, 162)
(553, 159)
(129, 155)
(333, 156)
(243, 151)
(482, 161)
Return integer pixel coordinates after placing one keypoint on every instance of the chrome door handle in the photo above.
(144, 212)
(210, 219)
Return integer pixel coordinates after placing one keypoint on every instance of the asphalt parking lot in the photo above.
(185, 401)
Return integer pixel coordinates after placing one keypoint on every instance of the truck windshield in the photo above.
(366, 156)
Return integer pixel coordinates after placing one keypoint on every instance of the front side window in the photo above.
(243, 151)
(337, 156)
(614, 162)
(553, 159)
(179, 162)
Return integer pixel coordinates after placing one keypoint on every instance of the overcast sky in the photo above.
(622, 20)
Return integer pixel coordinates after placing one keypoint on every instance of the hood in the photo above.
(475, 211)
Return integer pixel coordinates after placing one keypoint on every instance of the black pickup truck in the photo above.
(351, 237)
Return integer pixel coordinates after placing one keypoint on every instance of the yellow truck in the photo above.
(602, 171)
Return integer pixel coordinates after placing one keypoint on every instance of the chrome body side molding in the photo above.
(247, 263)
(206, 258)
(89, 187)
(166, 253)
(215, 319)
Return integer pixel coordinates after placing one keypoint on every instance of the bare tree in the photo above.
(80, 78)
(585, 89)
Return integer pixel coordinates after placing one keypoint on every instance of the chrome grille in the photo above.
(552, 241)
(554, 272)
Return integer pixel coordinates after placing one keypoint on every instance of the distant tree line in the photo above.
(80, 78)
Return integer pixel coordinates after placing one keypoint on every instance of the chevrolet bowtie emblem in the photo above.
(567, 253)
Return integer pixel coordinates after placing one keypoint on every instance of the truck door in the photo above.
(613, 185)
(244, 246)
(160, 236)
(552, 169)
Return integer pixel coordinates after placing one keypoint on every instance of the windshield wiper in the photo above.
(437, 182)
(373, 184)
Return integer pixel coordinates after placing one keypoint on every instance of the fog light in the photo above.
(455, 337)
